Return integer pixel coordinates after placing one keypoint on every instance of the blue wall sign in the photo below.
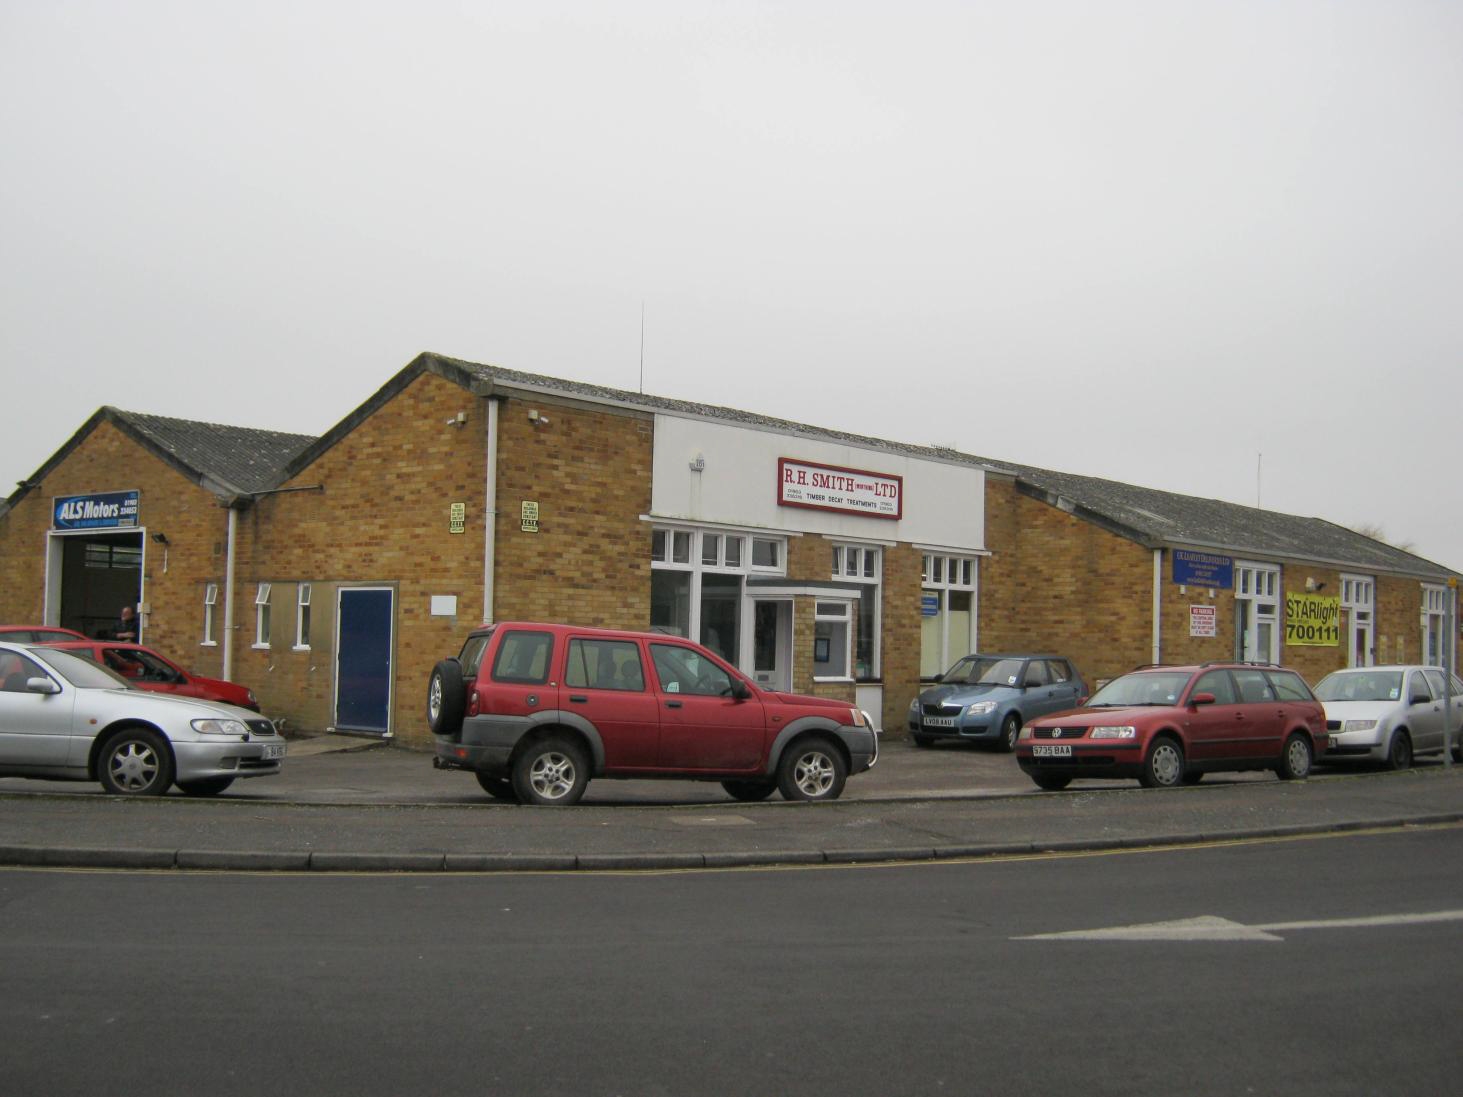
(929, 605)
(105, 510)
(1202, 569)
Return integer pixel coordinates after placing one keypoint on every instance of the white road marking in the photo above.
(1208, 927)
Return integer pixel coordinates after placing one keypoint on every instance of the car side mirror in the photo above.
(1202, 699)
(41, 685)
(938, 678)
(740, 690)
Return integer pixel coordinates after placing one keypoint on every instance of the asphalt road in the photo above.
(836, 980)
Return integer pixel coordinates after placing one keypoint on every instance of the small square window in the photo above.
(733, 552)
(764, 553)
(710, 549)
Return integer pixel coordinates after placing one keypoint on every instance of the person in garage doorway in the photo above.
(126, 625)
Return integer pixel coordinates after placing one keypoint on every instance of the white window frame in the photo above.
(1358, 599)
(262, 615)
(210, 599)
(851, 564)
(1433, 649)
(1258, 583)
(937, 570)
(302, 616)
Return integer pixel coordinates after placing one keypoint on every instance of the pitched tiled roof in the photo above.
(1163, 517)
(248, 459)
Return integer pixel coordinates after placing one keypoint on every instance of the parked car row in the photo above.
(1171, 725)
(535, 711)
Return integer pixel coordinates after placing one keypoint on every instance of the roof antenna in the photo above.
(642, 346)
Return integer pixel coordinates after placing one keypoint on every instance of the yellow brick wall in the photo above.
(380, 520)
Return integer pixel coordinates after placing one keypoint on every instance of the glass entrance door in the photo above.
(772, 643)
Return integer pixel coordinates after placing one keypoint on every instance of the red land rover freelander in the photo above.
(536, 710)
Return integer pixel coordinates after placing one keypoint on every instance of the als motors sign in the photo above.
(827, 487)
(106, 510)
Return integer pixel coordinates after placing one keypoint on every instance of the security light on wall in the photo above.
(535, 417)
(160, 538)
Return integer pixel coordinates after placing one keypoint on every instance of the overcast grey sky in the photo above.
(1146, 241)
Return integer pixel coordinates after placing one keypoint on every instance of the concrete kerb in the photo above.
(22, 856)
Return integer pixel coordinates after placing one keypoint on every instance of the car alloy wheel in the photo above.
(812, 770)
(135, 763)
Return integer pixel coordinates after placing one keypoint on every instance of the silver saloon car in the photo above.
(63, 717)
(1389, 714)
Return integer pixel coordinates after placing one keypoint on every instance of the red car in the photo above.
(146, 669)
(37, 634)
(536, 710)
(1171, 725)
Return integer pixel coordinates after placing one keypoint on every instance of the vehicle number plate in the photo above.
(939, 721)
(273, 750)
(1052, 750)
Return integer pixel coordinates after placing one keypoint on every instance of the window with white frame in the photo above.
(210, 599)
(863, 564)
(261, 616)
(302, 617)
(1358, 597)
(696, 582)
(1434, 652)
(832, 638)
(1256, 613)
(947, 611)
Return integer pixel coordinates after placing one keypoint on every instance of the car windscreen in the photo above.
(1373, 685)
(1142, 688)
(982, 671)
(80, 672)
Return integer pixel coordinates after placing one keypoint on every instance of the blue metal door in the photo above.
(363, 660)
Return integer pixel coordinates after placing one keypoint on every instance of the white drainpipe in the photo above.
(1157, 606)
(490, 507)
(228, 671)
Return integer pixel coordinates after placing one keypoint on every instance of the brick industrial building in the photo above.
(330, 573)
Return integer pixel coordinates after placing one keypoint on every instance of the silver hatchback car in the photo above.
(64, 717)
(1389, 714)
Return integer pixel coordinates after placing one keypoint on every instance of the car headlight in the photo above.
(220, 727)
(252, 699)
(981, 708)
(1126, 731)
(1358, 725)
(914, 706)
(1025, 733)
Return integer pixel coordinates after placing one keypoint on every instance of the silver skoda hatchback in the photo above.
(64, 717)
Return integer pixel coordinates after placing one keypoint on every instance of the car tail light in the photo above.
(472, 703)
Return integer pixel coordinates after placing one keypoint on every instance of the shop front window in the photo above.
(863, 564)
(696, 583)
(831, 637)
(947, 612)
